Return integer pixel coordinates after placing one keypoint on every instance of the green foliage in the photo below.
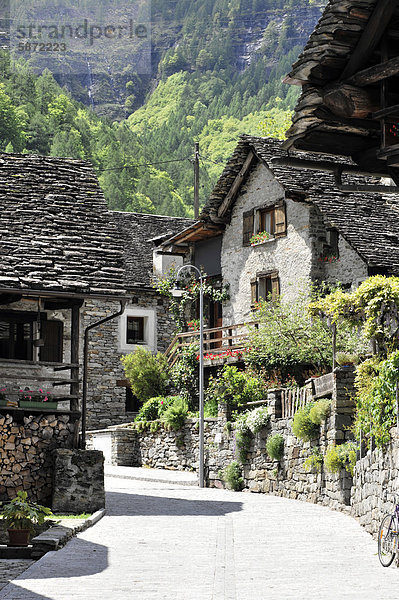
(376, 398)
(347, 358)
(287, 336)
(234, 388)
(320, 411)
(175, 415)
(375, 303)
(275, 446)
(153, 408)
(232, 476)
(314, 461)
(148, 374)
(190, 294)
(243, 437)
(340, 457)
(302, 426)
(184, 373)
(20, 513)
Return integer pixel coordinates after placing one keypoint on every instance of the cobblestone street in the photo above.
(165, 541)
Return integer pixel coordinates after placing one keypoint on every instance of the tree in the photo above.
(11, 123)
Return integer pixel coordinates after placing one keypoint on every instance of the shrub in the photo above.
(148, 374)
(234, 387)
(275, 446)
(184, 373)
(347, 358)
(243, 437)
(153, 408)
(314, 461)
(319, 411)
(175, 416)
(257, 419)
(341, 457)
(232, 476)
(302, 427)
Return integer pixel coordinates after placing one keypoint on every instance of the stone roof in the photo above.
(139, 234)
(368, 221)
(55, 230)
(345, 44)
(334, 38)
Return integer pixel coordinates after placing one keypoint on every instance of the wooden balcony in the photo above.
(221, 344)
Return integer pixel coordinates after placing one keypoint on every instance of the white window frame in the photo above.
(150, 331)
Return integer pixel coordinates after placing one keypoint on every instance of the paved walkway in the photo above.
(168, 542)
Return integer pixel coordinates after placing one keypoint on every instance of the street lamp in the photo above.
(176, 292)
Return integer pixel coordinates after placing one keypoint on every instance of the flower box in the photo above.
(37, 404)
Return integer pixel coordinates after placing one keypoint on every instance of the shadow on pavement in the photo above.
(119, 504)
(14, 592)
(86, 558)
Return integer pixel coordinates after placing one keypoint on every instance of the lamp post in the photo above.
(176, 292)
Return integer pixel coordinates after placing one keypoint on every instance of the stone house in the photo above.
(312, 231)
(68, 263)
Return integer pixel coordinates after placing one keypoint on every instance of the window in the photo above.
(135, 330)
(17, 334)
(137, 327)
(271, 219)
(264, 287)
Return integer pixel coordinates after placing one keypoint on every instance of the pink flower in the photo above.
(161, 401)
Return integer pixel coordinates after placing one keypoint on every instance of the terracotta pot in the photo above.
(18, 537)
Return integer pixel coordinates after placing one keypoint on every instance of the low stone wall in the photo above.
(27, 442)
(78, 481)
(376, 484)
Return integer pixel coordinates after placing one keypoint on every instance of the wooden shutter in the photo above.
(247, 227)
(52, 334)
(280, 219)
(254, 292)
(275, 285)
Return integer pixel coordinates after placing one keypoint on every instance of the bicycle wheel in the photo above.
(387, 541)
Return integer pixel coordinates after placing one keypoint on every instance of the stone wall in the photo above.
(78, 481)
(27, 442)
(106, 401)
(376, 484)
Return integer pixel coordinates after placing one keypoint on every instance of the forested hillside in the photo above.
(217, 67)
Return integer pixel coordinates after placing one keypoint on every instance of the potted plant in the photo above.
(20, 516)
(346, 359)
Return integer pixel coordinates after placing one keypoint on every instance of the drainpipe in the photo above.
(85, 366)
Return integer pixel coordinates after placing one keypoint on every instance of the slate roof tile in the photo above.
(55, 230)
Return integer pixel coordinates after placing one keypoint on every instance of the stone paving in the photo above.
(161, 541)
(10, 569)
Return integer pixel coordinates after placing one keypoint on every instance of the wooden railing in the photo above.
(292, 399)
(218, 340)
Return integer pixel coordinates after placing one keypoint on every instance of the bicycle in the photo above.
(388, 537)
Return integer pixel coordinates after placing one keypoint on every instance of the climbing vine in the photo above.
(191, 291)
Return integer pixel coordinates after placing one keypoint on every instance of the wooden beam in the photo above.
(75, 333)
(351, 102)
(386, 112)
(370, 37)
(223, 208)
(375, 73)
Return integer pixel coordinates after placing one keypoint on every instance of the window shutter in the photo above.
(275, 286)
(248, 227)
(52, 334)
(254, 292)
(280, 220)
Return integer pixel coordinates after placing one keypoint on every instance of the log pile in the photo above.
(26, 453)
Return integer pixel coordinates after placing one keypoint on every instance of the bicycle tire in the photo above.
(386, 542)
